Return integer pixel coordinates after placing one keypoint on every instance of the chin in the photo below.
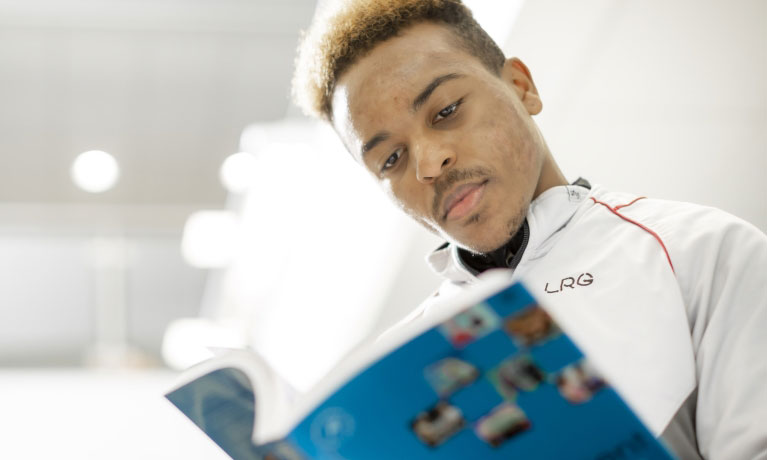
(484, 245)
(481, 240)
(488, 237)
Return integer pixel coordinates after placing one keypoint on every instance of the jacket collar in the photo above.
(549, 213)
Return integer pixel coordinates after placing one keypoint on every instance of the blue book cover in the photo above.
(496, 379)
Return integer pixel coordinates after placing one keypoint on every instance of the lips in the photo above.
(462, 200)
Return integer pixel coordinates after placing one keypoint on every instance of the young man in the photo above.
(669, 299)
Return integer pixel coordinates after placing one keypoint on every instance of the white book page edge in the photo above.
(271, 401)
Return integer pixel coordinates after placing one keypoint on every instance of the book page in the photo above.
(239, 382)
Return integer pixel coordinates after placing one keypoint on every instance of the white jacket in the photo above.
(668, 299)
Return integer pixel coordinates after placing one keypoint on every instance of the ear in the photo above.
(516, 73)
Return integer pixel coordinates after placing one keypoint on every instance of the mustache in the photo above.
(454, 176)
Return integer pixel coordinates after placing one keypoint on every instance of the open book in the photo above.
(490, 376)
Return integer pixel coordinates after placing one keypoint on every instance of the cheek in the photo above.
(402, 197)
(503, 142)
(410, 201)
(514, 140)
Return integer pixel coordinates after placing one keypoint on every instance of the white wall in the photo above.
(665, 99)
(73, 277)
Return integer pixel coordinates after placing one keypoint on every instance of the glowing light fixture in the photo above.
(95, 171)
(237, 172)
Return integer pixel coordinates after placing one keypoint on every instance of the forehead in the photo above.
(379, 88)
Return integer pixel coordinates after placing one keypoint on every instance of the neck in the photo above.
(551, 176)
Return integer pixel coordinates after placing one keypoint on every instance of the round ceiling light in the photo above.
(95, 171)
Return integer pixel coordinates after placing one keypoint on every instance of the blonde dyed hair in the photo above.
(338, 38)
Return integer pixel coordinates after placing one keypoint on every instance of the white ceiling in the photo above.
(165, 86)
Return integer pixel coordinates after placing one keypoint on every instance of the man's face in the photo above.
(452, 143)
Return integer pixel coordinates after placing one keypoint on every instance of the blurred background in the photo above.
(160, 195)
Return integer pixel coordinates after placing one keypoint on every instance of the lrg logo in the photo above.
(584, 279)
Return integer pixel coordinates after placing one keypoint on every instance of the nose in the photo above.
(432, 161)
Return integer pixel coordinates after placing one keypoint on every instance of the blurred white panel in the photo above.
(236, 172)
(210, 239)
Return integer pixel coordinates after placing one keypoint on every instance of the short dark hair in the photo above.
(337, 39)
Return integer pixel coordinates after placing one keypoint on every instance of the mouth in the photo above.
(462, 201)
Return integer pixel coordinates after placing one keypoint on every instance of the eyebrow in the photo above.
(419, 101)
(424, 95)
(375, 140)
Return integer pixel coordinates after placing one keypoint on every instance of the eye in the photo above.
(392, 160)
(447, 111)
